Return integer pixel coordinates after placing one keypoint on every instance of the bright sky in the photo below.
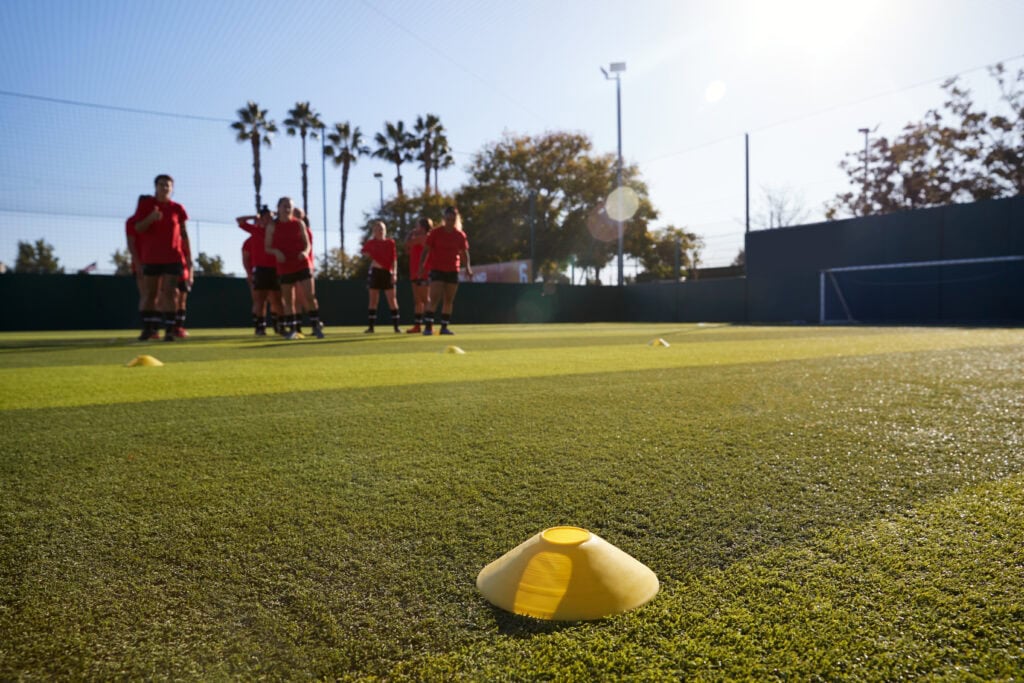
(801, 76)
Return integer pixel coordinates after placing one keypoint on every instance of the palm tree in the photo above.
(428, 130)
(345, 148)
(442, 157)
(395, 144)
(304, 120)
(254, 126)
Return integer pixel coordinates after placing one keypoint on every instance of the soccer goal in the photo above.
(920, 291)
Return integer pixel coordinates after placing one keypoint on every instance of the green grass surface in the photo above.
(833, 503)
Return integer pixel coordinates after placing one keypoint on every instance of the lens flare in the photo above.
(715, 91)
(622, 203)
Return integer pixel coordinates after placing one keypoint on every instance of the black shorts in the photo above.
(155, 269)
(297, 276)
(381, 279)
(420, 283)
(266, 278)
(449, 278)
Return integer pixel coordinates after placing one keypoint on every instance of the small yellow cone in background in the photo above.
(452, 349)
(659, 342)
(567, 574)
(144, 361)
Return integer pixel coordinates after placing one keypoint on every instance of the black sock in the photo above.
(394, 317)
(428, 319)
(169, 322)
(371, 316)
(445, 319)
(179, 317)
(261, 322)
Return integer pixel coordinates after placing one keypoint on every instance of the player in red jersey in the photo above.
(383, 272)
(182, 290)
(266, 286)
(301, 304)
(131, 237)
(162, 242)
(445, 246)
(288, 242)
(420, 285)
(247, 267)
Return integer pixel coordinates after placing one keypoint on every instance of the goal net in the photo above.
(952, 290)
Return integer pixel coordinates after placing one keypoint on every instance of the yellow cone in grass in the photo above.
(452, 349)
(659, 342)
(567, 574)
(144, 361)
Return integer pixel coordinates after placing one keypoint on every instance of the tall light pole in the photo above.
(616, 68)
(866, 132)
(380, 180)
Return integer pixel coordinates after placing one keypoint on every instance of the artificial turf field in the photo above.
(818, 503)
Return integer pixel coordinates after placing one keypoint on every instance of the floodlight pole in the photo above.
(617, 68)
(866, 132)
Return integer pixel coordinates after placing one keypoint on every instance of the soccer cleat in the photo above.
(415, 329)
(427, 331)
(318, 331)
(260, 332)
(368, 330)
(169, 336)
(180, 332)
(147, 335)
(398, 331)
(445, 330)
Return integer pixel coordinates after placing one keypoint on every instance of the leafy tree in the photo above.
(338, 265)
(955, 154)
(345, 149)
(569, 184)
(427, 131)
(395, 145)
(122, 261)
(209, 265)
(254, 127)
(741, 258)
(666, 246)
(305, 121)
(37, 258)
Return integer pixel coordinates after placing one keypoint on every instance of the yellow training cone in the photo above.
(452, 349)
(567, 574)
(659, 342)
(147, 361)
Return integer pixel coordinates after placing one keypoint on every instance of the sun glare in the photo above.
(818, 28)
(714, 92)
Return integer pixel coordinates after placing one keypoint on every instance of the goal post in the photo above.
(842, 295)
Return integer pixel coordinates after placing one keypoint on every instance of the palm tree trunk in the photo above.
(398, 179)
(344, 194)
(427, 163)
(436, 191)
(257, 179)
(305, 181)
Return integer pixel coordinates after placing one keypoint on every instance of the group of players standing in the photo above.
(278, 259)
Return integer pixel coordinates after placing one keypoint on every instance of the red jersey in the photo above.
(247, 247)
(260, 257)
(161, 241)
(446, 248)
(288, 238)
(381, 251)
(415, 254)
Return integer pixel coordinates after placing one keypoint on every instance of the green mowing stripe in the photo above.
(64, 385)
